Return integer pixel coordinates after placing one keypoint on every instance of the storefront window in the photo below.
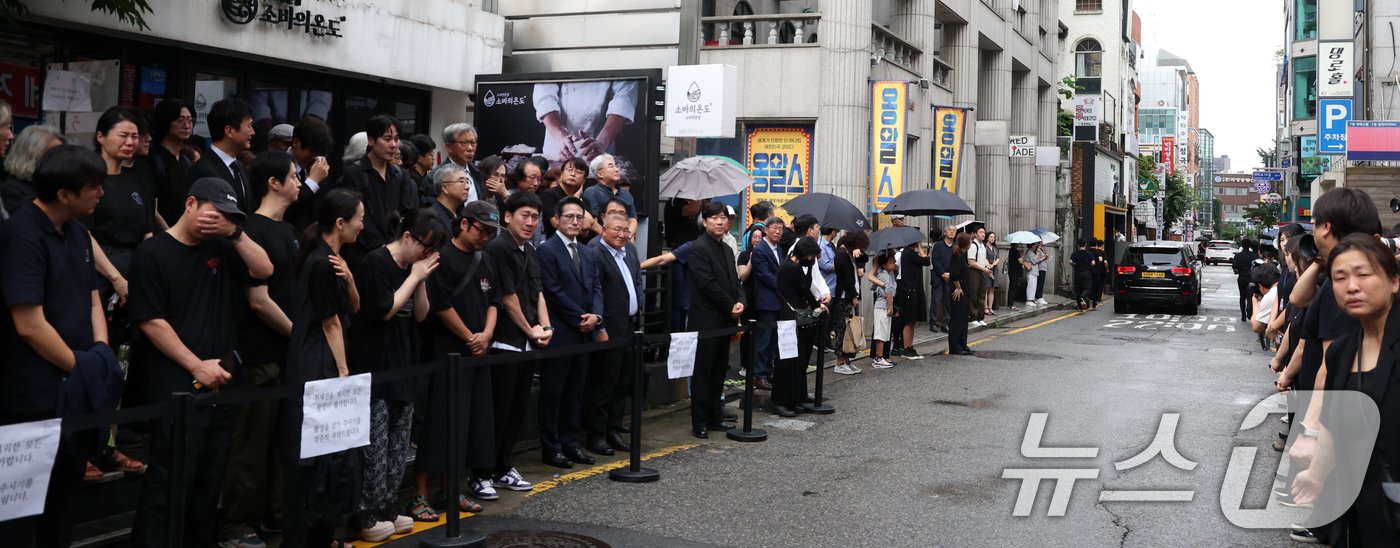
(1305, 88)
(210, 88)
(407, 115)
(1305, 20)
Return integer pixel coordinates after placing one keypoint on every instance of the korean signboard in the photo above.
(1168, 158)
(1334, 69)
(949, 124)
(1333, 115)
(1373, 140)
(889, 116)
(780, 160)
(1086, 117)
(701, 100)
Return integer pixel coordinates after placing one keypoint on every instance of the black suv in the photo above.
(1159, 272)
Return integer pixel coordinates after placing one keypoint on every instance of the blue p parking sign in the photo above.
(1333, 115)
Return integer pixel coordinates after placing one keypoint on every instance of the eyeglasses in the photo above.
(461, 181)
(464, 143)
(622, 230)
(574, 217)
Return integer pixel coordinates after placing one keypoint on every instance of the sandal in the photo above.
(93, 473)
(419, 509)
(125, 464)
(468, 505)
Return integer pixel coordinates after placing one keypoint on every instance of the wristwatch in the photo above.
(547, 327)
(237, 234)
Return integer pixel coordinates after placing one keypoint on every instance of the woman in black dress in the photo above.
(961, 277)
(318, 497)
(794, 281)
(1365, 278)
(383, 338)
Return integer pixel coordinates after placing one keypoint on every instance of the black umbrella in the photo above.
(830, 210)
(895, 236)
(928, 201)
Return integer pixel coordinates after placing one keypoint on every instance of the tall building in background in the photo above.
(1205, 178)
(1221, 164)
(1101, 51)
(1168, 96)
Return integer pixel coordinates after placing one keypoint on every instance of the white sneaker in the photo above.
(379, 532)
(1041, 302)
(853, 368)
(403, 525)
(512, 480)
(881, 363)
(811, 369)
(483, 490)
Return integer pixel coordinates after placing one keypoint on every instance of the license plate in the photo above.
(1154, 274)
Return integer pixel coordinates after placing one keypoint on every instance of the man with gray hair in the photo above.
(452, 185)
(20, 162)
(460, 141)
(609, 186)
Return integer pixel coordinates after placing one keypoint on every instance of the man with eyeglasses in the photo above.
(460, 140)
(452, 184)
(571, 176)
(609, 186)
(569, 278)
(610, 373)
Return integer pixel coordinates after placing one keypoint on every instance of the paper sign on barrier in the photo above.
(26, 460)
(787, 339)
(680, 362)
(335, 415)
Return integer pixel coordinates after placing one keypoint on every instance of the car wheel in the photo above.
(1192, 309)
(1120, 307)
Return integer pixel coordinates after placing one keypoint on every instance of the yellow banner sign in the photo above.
(888, 120)
(780, 160)
(948, 124)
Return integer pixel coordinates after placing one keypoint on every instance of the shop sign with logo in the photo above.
(701, 100)
(288, 15)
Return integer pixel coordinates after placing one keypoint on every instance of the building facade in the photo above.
(1205, 177)
(1170, 113)
(1236, 194)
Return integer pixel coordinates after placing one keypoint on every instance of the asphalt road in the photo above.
(915, 455)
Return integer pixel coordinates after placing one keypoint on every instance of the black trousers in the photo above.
(206, 452)
(510, 392)
(55, 526)
(1040, 284)
(609, 383)
(1246, 300)
(790, 375)
(562, 385)
(253, 485)
(1096, 286)
(958, 313)
(1083, 282)
(707, 381)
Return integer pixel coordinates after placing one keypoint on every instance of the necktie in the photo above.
(573, 253)
(242, 189)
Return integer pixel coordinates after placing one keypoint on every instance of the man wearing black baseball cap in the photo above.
(182, 284)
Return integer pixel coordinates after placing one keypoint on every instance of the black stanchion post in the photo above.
(816, 406)
(634, 473)
(748, 432)
(452, 535)
(179, 429)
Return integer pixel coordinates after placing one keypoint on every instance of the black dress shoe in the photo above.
(615, 441)
(575, 454)
(700, 432)
(783, 411)
(729, 416)
(600, 446)
(626, 427)
(556, 460)
(722, 425)
(961, 352)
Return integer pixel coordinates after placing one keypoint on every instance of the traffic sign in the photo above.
(1268, 176)
(1333, 115)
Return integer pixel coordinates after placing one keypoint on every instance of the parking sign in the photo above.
(1333, 115)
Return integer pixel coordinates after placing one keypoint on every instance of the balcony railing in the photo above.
(778, 29)
(894, 49)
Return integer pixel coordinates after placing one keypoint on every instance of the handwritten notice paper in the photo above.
(681, 360)
(67, 90)
(26, 459)
(787, 339)
(335, 415)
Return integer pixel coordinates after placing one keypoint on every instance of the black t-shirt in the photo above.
(192, 288)
(126, 213)
(679, 229)
(911, 270)
(477, 295)
(321, 295)
(1082, 260)
(518, 271)
(549, 199)
(447, 216)
(376, 345)
(1324, 321)
(171, 184)
(55, 271)
(257, 342)
(1102, 266)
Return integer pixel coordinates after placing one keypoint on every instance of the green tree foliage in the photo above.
(1179, 200)
(1264, 213)
(1147, 163)
(1268, 156)
(131, 12)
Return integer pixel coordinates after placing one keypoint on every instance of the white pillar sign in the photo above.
(680, 361)
(335, 415)
(26, 461)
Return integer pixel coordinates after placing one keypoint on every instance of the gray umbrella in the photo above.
(700, 177)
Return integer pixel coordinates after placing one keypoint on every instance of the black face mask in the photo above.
(807, 262)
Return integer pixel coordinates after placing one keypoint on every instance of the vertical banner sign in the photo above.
(1334, 64)
(780, 160)
(1168, 158)
(888, 118)
(947, 147)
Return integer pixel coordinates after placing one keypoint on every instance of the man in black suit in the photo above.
(766, 258)
(231, 128)
(569, 278)
(387, 191)
(716, 302)
(610, 373)
(460, 141)
(311, 143)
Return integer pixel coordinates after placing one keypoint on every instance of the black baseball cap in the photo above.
(218, 192)
(482, 212)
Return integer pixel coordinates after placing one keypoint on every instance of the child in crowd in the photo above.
(885, 309)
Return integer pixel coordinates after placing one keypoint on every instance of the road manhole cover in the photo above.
(542, 539)
(1014, 356)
